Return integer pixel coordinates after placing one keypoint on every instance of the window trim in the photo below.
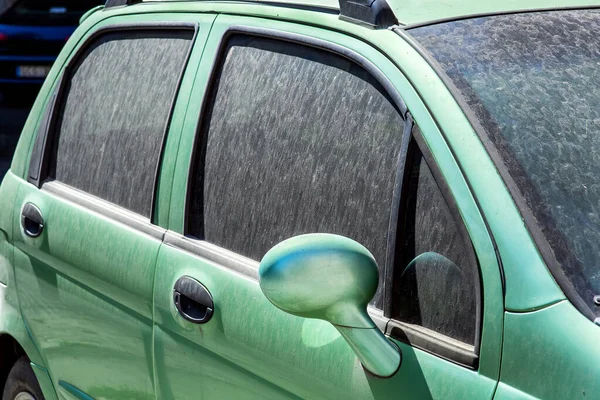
(41, 154)
(103, 207)
(433, 342)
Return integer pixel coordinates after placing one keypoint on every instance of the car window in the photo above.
(46, 13)
(532, 83)
(115, 113)
(294, 140)
(435, 284)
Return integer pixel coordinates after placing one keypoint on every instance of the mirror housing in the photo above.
(332, 278)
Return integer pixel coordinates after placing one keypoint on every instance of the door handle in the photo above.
(32, 220)
(193, 301)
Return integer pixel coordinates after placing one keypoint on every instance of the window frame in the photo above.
(308, 41)
(416, 335)
(41, 154)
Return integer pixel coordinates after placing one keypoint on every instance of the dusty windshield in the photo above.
(533, 82)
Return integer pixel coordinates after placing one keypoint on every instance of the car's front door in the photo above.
(86, 244)
(304, 130)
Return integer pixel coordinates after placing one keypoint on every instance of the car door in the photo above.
(86, 236)
(292, 130)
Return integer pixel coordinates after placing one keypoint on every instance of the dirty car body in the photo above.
(297, 200)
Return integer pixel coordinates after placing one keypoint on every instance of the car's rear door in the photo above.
(87, 227)
(293, 129)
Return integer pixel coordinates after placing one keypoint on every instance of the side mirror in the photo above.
(332, 278)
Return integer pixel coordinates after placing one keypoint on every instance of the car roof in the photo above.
(417, 12)
(413, 12)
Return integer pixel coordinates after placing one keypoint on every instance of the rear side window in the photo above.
(115, 112)
(295, 140)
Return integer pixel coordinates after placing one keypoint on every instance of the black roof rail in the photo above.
(376, 14)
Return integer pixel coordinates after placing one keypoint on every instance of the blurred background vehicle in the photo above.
(32, 33)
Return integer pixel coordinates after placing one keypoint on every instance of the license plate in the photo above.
(33, 71)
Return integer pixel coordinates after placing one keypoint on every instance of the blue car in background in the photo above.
(32, 33)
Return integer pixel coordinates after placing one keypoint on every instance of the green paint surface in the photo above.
(422, 11)
(551, 354)
(90, 301)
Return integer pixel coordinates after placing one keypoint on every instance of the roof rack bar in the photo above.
(374, 13)
(119, 3)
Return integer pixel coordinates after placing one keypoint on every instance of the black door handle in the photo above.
(32, 220)
(193, 301)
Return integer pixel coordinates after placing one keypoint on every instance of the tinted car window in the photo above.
(532, 81)
(295, 140)
(44, 12)
(115, 114)
(435, 284)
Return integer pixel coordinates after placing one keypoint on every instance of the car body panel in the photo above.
(11, 320)
(45, 382)
(70, 392)
(90, 12)
(557, 347)
(90, 300)
(87, 302)
(250, 348)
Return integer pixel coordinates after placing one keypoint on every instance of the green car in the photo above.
(267, 200)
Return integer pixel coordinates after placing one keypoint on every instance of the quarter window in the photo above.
(436, 282)
(115, 114)
(295, 140)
